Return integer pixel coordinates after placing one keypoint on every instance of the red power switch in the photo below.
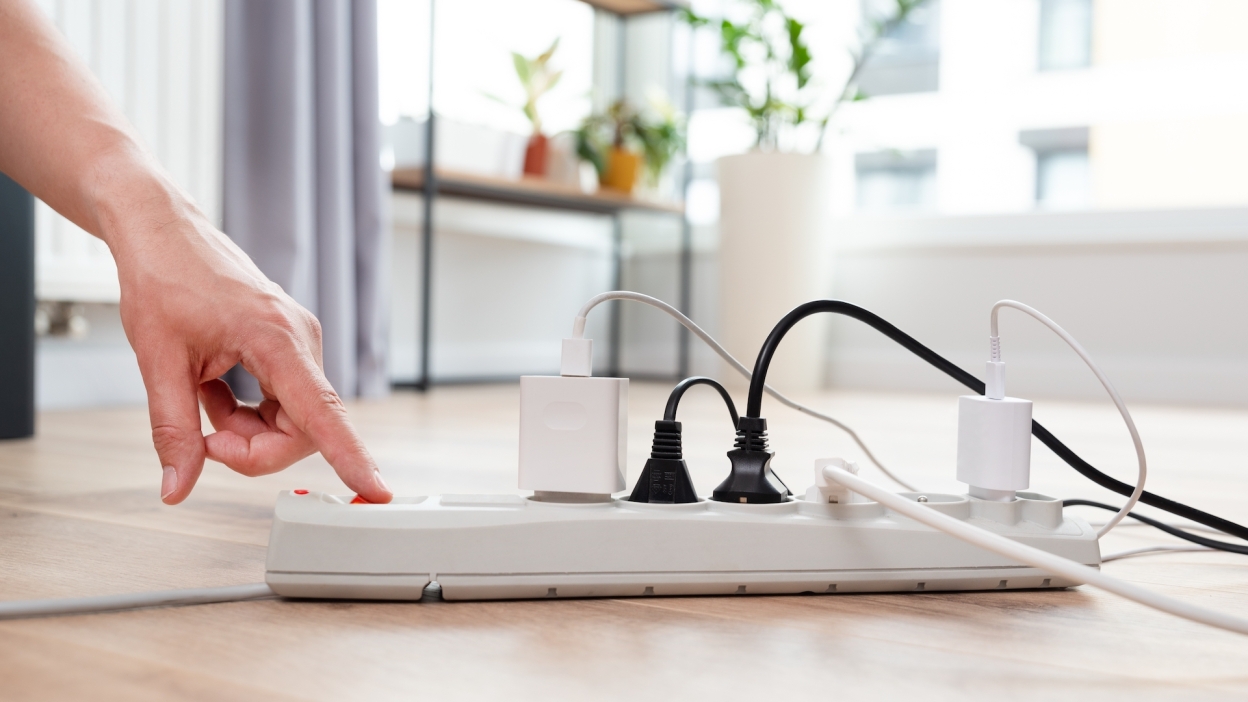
(301, 492)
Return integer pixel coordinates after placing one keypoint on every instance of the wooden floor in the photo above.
(80, 515)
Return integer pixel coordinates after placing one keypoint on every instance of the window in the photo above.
(890, 181)
(1062, 179)
(907, 59)
(475, 39)
(1065, 34)
(1063, 173)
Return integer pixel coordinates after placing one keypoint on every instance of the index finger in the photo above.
(311, 403)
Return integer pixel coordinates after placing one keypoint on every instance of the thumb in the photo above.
(173, 406)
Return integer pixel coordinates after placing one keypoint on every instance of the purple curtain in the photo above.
(304, 190)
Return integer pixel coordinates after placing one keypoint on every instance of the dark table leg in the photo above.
(17, 311)
(686, 295)
(617, 280)
(426, 259)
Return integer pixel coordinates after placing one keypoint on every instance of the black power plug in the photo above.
(751, 479)
(665, 477)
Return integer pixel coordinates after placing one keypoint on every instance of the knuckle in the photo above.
(168, 438)
(286, 321)
(328, 399)
(279, 319)
(329, 411)
(314, 330)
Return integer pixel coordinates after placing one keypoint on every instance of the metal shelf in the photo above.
(527, 191)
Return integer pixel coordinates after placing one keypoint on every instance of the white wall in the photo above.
(1158, 298)
(160, 61)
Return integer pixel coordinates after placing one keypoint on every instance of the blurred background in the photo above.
(734, 157)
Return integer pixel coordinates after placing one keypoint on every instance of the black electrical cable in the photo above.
(754, 404)
(1173, 531)
(673, 400)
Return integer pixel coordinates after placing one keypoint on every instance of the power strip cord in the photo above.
(22, 609)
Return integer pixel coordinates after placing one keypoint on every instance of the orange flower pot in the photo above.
(623, 167)
(536, 154)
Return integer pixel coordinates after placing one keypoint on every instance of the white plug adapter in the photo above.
(826, 491)
(994, 440)
(573, 428)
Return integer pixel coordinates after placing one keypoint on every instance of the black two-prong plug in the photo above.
(751, 479)
(665, 477)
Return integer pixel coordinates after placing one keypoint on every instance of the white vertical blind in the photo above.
(160, 60)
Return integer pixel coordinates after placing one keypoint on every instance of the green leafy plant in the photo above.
(537, 78)
(771, 78)
(658, 133)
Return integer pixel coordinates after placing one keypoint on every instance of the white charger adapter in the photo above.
(994, 440)
(573, 430)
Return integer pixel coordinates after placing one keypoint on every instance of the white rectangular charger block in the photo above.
(573, 434)
(482, 547)
(994, 442)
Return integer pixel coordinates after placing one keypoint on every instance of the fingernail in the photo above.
(381, 482)
(169, 483)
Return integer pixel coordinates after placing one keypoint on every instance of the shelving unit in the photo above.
(528, 191)
(432, 182)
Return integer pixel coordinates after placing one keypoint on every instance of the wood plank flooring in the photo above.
(80, 515)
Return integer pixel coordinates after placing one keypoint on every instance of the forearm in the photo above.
(63, 140)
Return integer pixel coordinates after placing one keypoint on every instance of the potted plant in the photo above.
(773, 199)
(621, 141)
(662, 135)
(537, 78)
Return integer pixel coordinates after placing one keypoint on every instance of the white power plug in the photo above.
(994, 438)
(573, 430)
(828, 491)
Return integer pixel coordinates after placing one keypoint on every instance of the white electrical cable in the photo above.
(20, 609)
(578, 332)
(1033, 557)
(1186, 526)
(1109, 387)
(1152, 550)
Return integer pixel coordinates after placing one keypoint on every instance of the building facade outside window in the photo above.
(1063, 171)
(1065, 34)
(890, 181)
(907, 60)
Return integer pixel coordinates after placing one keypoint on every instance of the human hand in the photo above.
(193, 305)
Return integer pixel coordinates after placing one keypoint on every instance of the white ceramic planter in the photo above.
(773, 257)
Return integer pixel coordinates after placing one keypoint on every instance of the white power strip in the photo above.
(480, 547)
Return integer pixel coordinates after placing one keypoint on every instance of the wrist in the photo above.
(130, 197)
